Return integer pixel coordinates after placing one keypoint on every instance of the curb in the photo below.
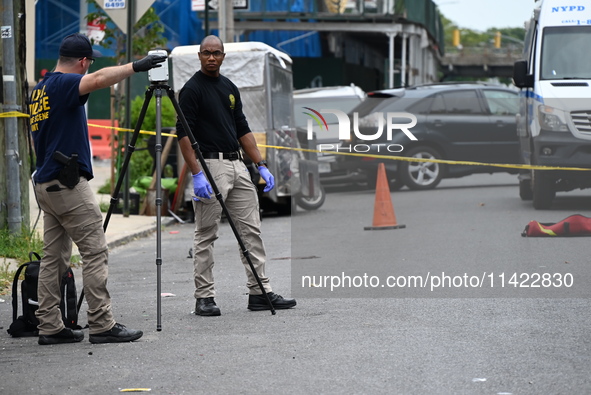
(138, 235)
(166, 221)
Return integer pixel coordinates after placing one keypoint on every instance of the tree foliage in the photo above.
(469, 38)
(147, 33)
(142, 164)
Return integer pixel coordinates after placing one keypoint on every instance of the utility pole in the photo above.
(222, 18)
(206, 18)
(12, 158)
(226, 20)
(230, 21)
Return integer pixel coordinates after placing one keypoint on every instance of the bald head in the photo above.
(211, 55)
(211, 39)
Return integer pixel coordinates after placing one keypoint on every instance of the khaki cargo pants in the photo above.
(72, 215)
(240, 197)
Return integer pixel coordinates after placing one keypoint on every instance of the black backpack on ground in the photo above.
(26, 324)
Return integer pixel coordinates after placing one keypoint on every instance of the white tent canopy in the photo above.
(242, 64)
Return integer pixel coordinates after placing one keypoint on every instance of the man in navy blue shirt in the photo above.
(70, 211)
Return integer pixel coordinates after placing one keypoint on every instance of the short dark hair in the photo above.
(66, 60)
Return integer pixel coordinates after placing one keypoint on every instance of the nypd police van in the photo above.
(554, 123)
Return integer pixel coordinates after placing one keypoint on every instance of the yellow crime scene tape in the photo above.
(385, 157)
(451, 162)
(14, 114)
(129, 130)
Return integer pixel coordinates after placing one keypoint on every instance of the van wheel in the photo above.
(422, 175)
(312, 203)
(525, 192)
(543, 191)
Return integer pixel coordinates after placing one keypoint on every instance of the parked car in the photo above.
(343, 98)
(460, 121)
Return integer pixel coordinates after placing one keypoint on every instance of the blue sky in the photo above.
(481, 15)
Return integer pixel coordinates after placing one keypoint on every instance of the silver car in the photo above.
(309, 101)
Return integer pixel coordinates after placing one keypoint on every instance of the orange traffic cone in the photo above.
(383, 212)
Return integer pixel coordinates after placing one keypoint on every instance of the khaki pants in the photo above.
(72, 214)
(240, 197)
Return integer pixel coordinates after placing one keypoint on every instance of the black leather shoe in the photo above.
(66, 335)
(206, 307)
(117, 334)
(259, 302)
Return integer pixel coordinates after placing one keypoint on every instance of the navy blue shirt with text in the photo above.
(58, 123)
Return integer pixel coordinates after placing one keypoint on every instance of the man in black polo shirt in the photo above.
(213, 109)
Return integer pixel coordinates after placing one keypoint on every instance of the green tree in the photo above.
(472, 41)
(147, 35)
(142, 163)
(510, 37)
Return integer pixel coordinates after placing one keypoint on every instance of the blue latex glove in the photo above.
(268, 177)
(201, 186)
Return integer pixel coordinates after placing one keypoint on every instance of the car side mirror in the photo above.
(521, 78)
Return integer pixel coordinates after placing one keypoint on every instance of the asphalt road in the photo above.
(353, 339)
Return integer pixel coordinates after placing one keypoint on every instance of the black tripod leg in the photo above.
(158, 149)
(129, 151)
(218, 195)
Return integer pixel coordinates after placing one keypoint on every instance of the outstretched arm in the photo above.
(108, 76)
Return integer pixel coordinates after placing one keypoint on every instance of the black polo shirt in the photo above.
(213, 109)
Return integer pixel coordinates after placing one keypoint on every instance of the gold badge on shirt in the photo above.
(232, 101)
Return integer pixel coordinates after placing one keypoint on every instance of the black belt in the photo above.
(222, 155)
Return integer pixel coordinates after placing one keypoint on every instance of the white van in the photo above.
(554, 124)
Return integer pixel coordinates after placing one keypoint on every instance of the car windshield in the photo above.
(566, 53)
(371, 103)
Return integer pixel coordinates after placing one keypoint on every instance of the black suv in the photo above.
(460, 121)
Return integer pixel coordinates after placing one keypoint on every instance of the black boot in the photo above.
(259, 302)
(117, 334)
(66, 335)
(206, 307)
